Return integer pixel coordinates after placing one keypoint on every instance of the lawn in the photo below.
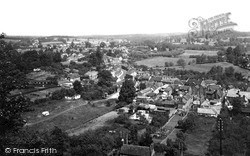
(72, 118)
(160, 61)
(206, 67)
(187, 53)
(198, 140)
(41, 75)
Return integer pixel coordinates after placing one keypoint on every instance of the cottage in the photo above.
(206, 83)
(207, 112)
(92, 75)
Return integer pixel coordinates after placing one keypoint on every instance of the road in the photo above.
(173, 121)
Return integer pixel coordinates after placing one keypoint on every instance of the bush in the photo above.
(58, 94)
(38, 101)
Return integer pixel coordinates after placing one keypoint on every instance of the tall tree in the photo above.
(127, 93)
(77, 87)
(11, 78)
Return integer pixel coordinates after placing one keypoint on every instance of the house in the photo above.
(145, 91)
(135, 150)
(170, 111)
(206, 83)
(207, 112)
(186, 89)
(183, 41)
(132, 72)
(214, 92)
(75, 97)
(139, 113)
(92, 75)
(72, 77)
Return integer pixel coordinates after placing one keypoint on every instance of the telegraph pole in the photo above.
(220, 128)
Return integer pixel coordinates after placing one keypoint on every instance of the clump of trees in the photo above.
(235, 134)
(181, 62)
(159, 119)
(169, 64)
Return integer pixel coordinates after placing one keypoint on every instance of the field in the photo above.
(41, 75)
(160, 61)
(64, 114)
(206, 67)
(198, 52)
(198, 140)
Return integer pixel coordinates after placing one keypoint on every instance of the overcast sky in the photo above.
(104, 17)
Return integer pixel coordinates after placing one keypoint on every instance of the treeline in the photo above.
(201, 59)
(235, 135)
(30, 60)
(225, 77)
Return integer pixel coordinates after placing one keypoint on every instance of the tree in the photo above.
(105, 78)
(133, 134)
(77, 87)
(112, 44)
(103, 44)
(229, 71)
(146, 139)
(181, 63)
(58, 94)
(57, 57)
(87, 44)
(11, 78)
(127, 93)
(166, 64)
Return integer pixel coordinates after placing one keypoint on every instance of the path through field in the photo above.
(93, 124)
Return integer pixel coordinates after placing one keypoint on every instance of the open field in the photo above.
(198, 140)
(41, 75)
(72, 118)
(187, 53)
(54, 107)
(206, 67)
(93, 124)
(160, 61)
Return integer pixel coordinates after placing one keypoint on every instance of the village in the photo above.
(97, 86)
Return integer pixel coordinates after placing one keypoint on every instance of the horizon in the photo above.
(110, 17)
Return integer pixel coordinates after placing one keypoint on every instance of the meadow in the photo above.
(64, 114)
(207, 66)
(197, 141)
(187, 53)
(160, 61)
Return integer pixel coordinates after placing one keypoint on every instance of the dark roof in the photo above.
(186, 88)
(177, 82)
(135, 150)
(156, 78)
(192, 82)
(151, 94)
(168, 102)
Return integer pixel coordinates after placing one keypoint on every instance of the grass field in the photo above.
(72, 118)
(54, 107)
(187, 53)
(198, 140)
(206, 67)
(160, 61)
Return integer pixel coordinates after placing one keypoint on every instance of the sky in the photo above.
(111, 17)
